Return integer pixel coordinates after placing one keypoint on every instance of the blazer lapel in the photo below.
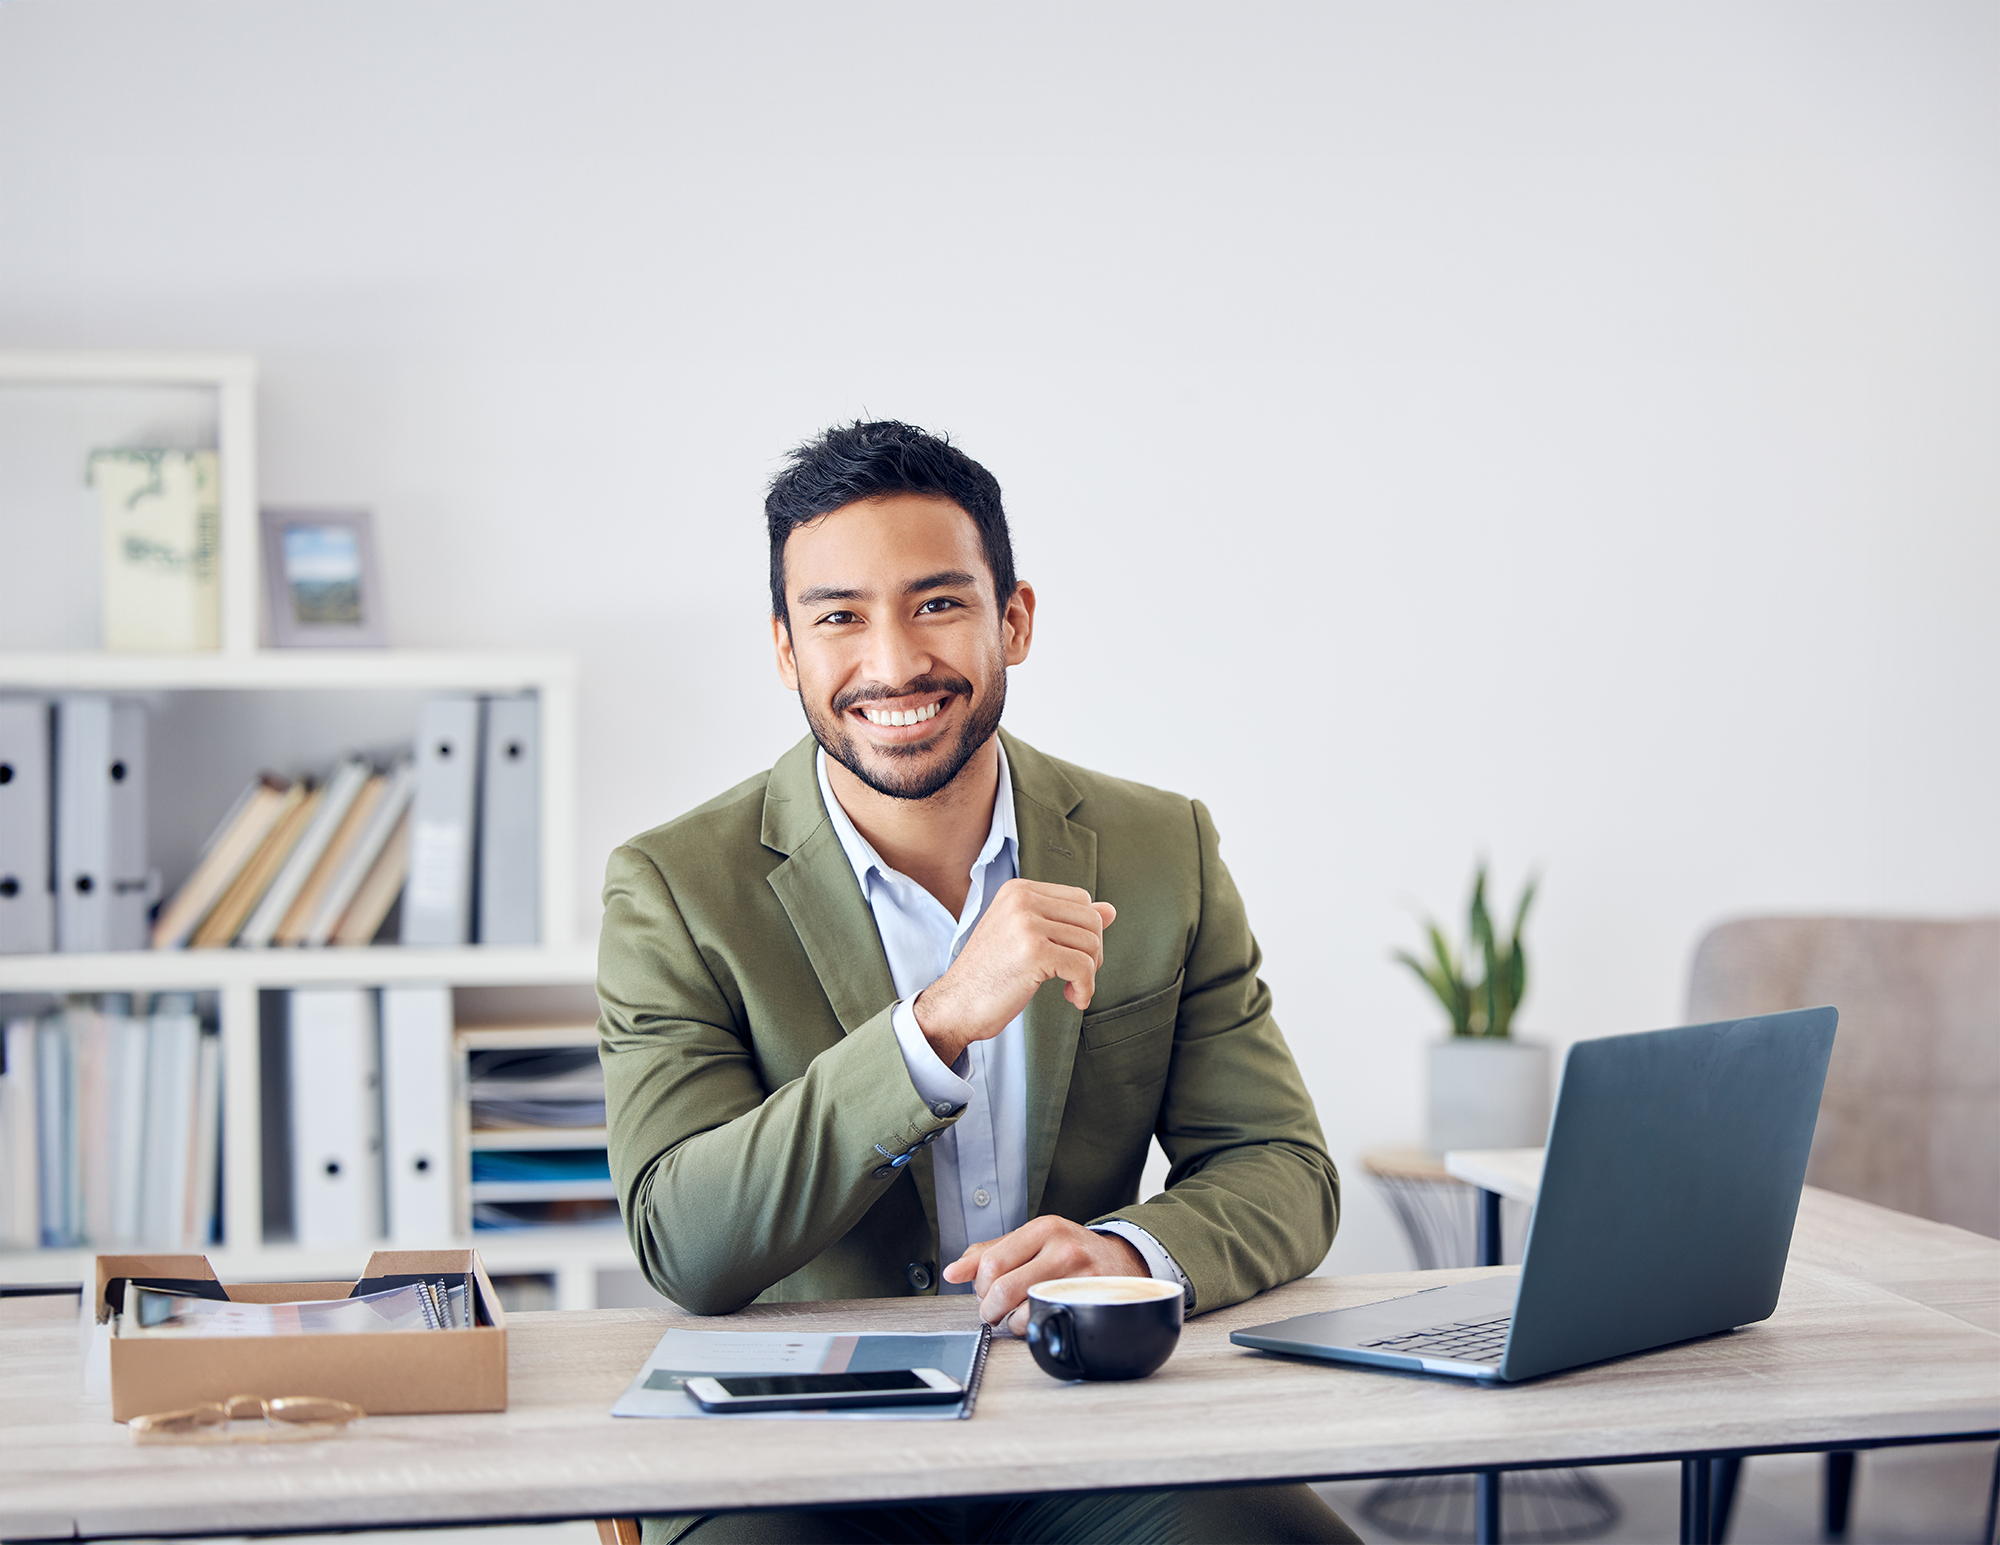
(1055, 850)
(819, 893)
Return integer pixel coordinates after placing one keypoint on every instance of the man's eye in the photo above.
(938, 603)
(838, 619)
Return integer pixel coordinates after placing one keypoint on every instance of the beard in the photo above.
(915, 779)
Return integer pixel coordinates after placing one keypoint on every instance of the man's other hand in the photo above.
(1002, 1270)
(1033, 932)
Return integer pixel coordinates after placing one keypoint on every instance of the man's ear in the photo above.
(1017, 623)
(788, 664)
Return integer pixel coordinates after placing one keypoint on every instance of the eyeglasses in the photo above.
(287, 1419)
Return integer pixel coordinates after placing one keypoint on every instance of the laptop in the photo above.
(1669, 1189)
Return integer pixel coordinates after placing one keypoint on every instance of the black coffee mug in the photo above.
(1103, 1327)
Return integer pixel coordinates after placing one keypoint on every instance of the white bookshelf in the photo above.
(237, 976)
(233, 379)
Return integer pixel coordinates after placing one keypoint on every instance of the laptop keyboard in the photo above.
(1470, 1341)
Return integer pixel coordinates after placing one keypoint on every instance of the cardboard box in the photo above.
(392, 1373)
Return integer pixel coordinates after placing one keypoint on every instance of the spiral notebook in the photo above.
(656, 1389)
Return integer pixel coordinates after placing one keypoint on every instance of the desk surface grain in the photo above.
(1885, 1332)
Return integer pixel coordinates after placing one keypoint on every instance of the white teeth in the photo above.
(902, 716)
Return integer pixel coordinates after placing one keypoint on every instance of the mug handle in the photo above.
(1058, 1337)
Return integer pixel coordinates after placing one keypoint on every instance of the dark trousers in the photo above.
(1168, 1517)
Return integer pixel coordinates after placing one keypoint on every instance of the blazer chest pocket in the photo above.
(1129, 1021)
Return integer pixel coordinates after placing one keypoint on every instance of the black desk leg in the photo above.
(1486, 1505)
(1992, 1534)
(1697, 1505)
(1839, 1490)
(1722, 1498)
(1489, 1227)
(1486, 1483)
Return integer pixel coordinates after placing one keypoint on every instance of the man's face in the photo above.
(896, 646)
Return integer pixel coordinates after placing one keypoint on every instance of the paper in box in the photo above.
(386, 1374)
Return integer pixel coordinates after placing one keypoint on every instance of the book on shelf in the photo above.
(20, 1163)
(110, 1120)
(233, 844)
(222, 925)
(368, 914)
(359, 862)
(347, 861)
(330, 807)
(332, 862)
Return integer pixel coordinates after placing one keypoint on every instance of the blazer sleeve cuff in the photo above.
(939, 1087)
(1162, 1265)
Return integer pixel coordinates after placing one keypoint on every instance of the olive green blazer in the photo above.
(757, 1093)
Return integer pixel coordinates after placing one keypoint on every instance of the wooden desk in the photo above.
(1515, 1173)
(1885, 1333)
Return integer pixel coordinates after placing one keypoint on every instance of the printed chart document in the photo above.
(656, 1391)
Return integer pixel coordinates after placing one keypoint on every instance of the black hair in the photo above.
(865, 461)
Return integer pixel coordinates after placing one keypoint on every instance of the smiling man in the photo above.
(903, 1014)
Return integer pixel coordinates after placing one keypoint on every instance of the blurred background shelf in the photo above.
(215, 719)
(375, 966)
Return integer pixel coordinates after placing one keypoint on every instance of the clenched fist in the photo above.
(1032, 933)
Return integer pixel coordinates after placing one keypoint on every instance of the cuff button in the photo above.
(883, 1172)
(942, 1108)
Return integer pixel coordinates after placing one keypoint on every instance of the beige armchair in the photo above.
(1911, 1114)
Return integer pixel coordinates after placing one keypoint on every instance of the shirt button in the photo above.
(980, 1196)
(942, 1108)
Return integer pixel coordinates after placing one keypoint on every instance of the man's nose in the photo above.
(896, 653)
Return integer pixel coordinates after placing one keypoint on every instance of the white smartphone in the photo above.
(813, 1391)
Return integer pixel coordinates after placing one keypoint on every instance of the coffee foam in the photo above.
(1105, 1290)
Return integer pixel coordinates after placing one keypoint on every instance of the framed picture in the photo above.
(321, 580)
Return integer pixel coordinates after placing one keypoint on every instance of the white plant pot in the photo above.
(1487, 1094)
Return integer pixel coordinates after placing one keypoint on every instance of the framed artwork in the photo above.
(321, 580)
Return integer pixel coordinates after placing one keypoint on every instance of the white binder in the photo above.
(201, 1224)
(341, 786)
(173, 1047)
(510, 824)
(20, 1151)
(444, 815)
(135, 885)
(83, 823)
(417, 1113)
(125, 1135)
(103, 888)
(89, 1031)
(55, 1122)
(27, 909)
(336, 1109)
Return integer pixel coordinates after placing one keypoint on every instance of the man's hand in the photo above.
(1031, 933)
(1040, 1250)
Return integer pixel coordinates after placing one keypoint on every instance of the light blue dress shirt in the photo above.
(980, 1165)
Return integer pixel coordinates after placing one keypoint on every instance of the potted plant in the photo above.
(1486, 1089)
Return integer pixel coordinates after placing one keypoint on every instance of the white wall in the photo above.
(1561, 432)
